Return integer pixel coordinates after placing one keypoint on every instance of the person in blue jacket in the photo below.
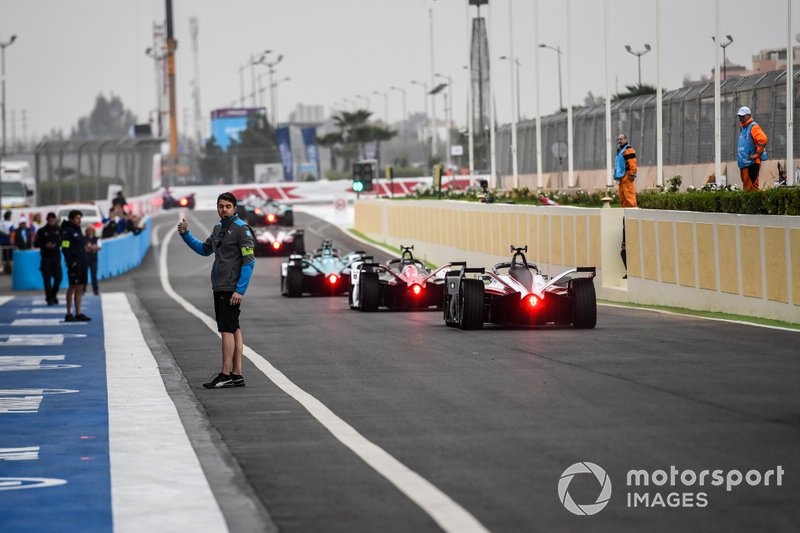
(232, 243)
(73, 247)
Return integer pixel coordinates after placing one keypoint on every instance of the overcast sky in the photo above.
(69, 51)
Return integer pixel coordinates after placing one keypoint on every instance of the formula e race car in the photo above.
(265, 212)
(323, 272)
(517, 292)
(170, 200)
(278, 241)
(404, 283)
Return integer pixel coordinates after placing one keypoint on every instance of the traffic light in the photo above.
(368, 175)
(358, 181)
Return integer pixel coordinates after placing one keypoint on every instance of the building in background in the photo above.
(307, 115)
(774, 59)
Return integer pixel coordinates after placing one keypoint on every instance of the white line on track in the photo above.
(157, 483)
(450, 516)
(689, 315)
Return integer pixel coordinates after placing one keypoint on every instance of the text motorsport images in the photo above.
(649, 488)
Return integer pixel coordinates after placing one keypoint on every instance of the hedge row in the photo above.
(776, 201)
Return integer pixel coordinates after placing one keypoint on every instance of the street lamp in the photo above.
(3, 46)
(385, 105)
(273, 90)
(558, 51)
(448, 111)
(638, 54)
(157, 58)
(366, 99)
(405, 116)
(516, 61)
(724, 58)
(424, 93)
(256, 59)
(271, 71)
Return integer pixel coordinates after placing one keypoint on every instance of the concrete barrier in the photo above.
(739, 264)
(117, 256)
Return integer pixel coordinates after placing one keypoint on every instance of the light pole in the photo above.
(638, 54)
(256, 59)
(405, 116)
(271, 70)
(273, 90)
(558, 51)
(724, 57)
(157, 58)
(424, 96)
(366, 99)
(516, 61)
(385, 105)
(448, 112)
(3, 46)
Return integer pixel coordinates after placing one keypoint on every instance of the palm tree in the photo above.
(381, 134)
(351, 126)
(331, 141)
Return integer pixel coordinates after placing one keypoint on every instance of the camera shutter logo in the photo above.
(602, 499)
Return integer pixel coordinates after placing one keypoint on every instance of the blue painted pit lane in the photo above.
(54, 444)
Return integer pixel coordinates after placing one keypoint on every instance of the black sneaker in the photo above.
(80, 317)
(238, 381)
(219, 382)
(69, 318)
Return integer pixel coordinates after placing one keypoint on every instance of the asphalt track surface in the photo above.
(492, 417)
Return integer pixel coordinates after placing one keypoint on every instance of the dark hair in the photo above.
(51, 215)
(227, 196)
(74, 213)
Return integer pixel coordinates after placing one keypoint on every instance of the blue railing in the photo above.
(117, 256)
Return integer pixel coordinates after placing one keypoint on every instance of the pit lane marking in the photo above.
(448, 514)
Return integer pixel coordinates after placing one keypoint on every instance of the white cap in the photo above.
(22, 219)
(744, 110)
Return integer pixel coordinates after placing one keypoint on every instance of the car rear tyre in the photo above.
(288, 219)
(471, 304)
(585, 311)
(294, 282)
(369, 291)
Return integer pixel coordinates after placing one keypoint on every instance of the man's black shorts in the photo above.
(227, 314)
(76, 275)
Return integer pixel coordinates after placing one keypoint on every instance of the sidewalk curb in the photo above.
(241, 507)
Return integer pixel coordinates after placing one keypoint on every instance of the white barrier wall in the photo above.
(740, 264)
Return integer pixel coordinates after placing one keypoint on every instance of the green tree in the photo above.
(214, 163)
(634, 90)
(108, 118)
(256, 146)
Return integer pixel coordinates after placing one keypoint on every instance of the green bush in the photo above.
(776, 201)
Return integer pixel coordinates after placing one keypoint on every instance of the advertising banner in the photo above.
(227, 124)
(312, 152)
(283, 140)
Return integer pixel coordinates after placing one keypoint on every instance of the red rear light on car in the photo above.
(276, 245)
(271, 218)
(416, 290)
(97, 225)
(184, 202)
(532, 300)
(333, 279)
(258, 211)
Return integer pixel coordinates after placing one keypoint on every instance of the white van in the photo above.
(18, 186)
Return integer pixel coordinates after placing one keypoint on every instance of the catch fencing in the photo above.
(688, 127)
(81, 170)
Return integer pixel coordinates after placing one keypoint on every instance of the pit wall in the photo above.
(739, 264)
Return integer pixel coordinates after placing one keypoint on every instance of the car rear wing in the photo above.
(462, 269)
(583, 272)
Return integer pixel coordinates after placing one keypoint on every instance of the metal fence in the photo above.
(688, 132)
(81, 170)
